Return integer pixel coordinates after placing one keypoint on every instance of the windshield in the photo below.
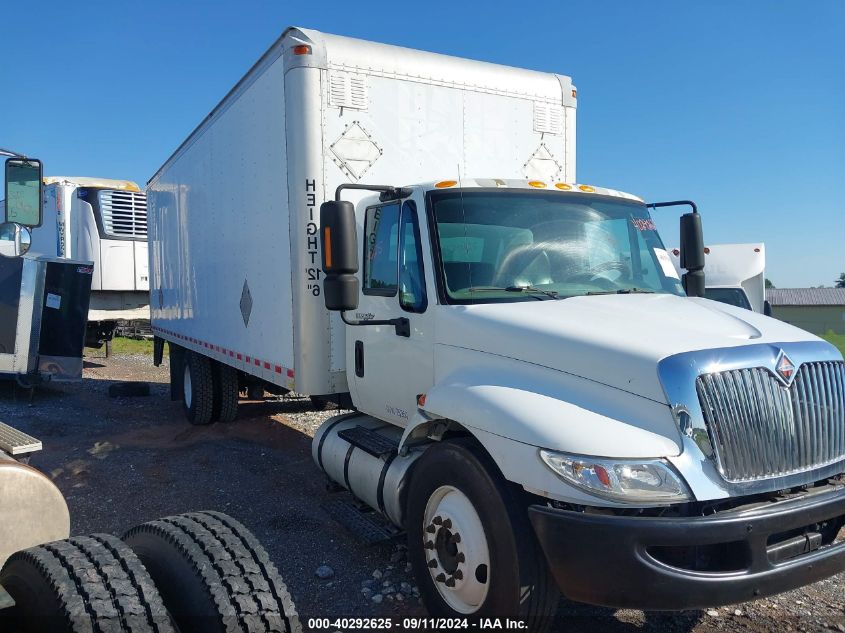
(517, 245)
(731, 296)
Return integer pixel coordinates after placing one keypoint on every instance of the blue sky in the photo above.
(737, 104)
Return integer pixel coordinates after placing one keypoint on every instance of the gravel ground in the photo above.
(121, 462)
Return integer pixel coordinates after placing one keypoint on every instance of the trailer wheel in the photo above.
(213, 574)
(470, 542)
(225, 392)
(198, 389)
(83, 584)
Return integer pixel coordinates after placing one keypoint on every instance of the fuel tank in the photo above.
(359, 452)
(32, 510)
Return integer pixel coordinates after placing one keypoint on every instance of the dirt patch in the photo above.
(123, 461)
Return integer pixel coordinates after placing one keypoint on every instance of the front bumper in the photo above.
(613, 561)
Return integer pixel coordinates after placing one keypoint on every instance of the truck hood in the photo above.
(615, 340)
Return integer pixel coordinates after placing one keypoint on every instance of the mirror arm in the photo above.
(388, 192)
(674, 203)
(8, 152)
(402, 325)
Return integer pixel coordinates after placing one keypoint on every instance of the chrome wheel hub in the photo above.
(456, 550)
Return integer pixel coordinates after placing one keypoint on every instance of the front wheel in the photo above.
(470, 542)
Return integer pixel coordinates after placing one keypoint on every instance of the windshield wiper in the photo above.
(622, 291)
(531, 290)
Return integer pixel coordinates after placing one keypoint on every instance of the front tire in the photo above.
(470, 542)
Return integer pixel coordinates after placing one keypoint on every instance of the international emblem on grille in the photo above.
(785, 368)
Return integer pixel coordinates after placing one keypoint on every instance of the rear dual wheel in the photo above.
(209, 390)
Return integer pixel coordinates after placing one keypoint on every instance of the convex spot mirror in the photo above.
(15, 239)
(339, 241)
(24, 193)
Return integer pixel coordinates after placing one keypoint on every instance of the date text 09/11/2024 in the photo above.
(431, 624)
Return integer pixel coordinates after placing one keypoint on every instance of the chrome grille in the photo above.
(124, 213)
(762, 429)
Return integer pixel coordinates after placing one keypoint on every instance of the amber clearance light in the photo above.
(327, 246)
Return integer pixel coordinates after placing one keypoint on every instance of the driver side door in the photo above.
(390, 370)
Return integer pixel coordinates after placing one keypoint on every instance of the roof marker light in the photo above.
(537, 183)
(302, 49)
(587, 188)
(446, 183)
(563, 186)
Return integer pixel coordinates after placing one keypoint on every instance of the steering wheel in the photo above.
(595, 275)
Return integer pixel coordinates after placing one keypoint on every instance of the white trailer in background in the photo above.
(735, 273)
(104, 221)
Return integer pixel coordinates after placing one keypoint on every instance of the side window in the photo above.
(381, 245)
(412, 293)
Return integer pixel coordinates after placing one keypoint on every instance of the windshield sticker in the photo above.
(666, 263)
(644, 224)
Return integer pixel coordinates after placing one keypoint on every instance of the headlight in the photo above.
(631, 481)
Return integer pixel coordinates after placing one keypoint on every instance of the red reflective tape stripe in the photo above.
(278, 369)
(239, 357)
(290, 373)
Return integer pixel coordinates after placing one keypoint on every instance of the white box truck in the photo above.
(736, 274)
(538, 396)
(103, 221)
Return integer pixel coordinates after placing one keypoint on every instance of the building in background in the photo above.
(817, 310)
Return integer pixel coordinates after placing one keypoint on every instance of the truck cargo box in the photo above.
(234, 257)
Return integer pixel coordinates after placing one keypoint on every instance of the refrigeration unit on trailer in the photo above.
(104, 221)
(538, 394)
(736, 274)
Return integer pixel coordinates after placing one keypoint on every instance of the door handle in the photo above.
(359, 359)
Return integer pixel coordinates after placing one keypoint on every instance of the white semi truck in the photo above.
(736, 274)
(540, 400)
(103, 221)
